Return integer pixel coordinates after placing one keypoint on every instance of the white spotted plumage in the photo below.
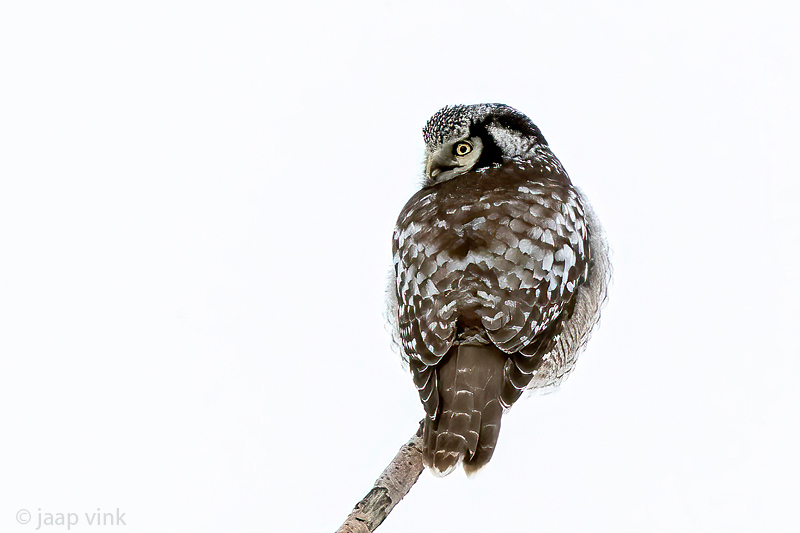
(499, 272)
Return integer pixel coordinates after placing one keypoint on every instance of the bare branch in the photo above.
(389, 489)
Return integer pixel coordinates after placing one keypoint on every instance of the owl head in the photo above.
(462, 138)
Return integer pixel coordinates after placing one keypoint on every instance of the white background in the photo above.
(196, 207)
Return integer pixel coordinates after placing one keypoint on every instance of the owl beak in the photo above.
(440, 162)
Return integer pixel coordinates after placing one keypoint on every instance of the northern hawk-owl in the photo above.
(500, 270)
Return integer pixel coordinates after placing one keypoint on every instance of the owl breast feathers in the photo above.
(499, 273)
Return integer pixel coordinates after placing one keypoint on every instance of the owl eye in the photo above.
(462, 148)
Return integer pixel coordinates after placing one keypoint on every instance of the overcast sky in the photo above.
(196, 208)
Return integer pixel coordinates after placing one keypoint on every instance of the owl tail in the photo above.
(470, 379)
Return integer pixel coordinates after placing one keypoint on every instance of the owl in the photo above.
(500, 270)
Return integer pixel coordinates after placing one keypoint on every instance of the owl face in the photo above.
(463, 138)
(453, 158)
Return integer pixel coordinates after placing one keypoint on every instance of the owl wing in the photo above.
(497, 255)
